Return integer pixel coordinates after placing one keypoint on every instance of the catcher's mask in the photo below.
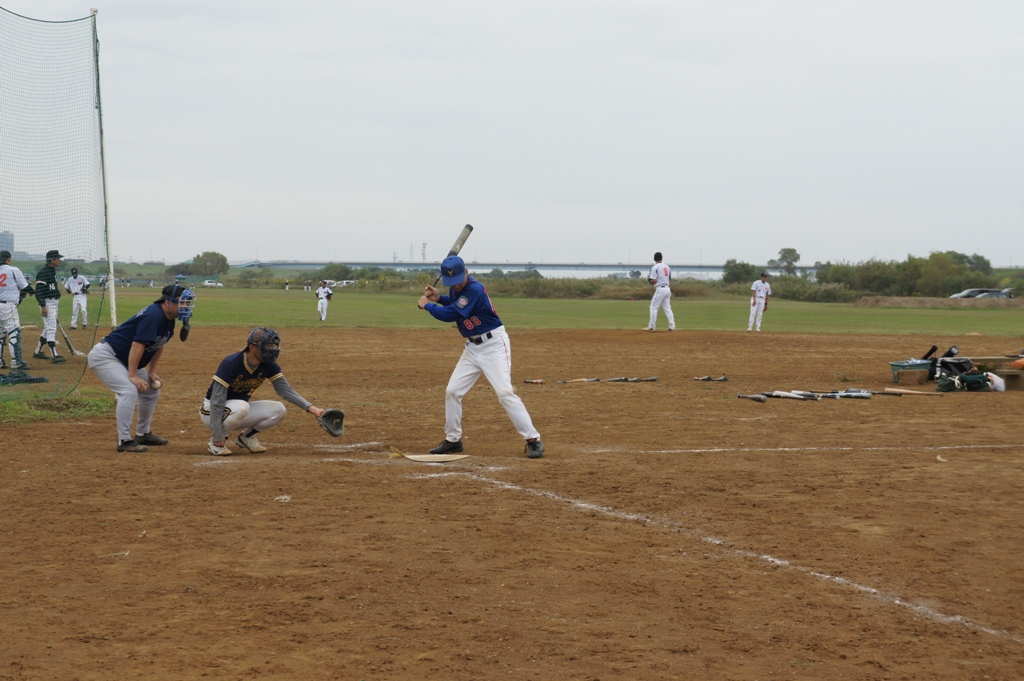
(74, 271)
(186, 303)
(268, 341)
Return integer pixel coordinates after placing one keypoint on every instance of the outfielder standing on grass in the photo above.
(237, 378)
(126, 361)
(48, 297)
(761, 292)
(487, 352)
(13, 288)
(323, 297)
(660, 278)
(78, 286)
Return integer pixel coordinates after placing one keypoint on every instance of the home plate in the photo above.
(435, 458)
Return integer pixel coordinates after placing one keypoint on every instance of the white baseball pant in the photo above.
(241, 415)
(492, 358)
(79, 304)
(662, 299)
(756, 312)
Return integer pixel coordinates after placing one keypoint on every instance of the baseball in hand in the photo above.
(156, 384)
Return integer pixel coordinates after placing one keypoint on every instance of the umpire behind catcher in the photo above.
(237, 378)
(126, 360)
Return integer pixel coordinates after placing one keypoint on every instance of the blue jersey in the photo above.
(470, 309)
(150, 327)
(242, 380)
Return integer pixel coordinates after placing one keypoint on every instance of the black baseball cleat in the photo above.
(447, 447)
(130, 446)
(150, 439)
(535, 449)
(57, 359)
(38, 355)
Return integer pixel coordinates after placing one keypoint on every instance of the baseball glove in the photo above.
(333, 421)
(329, 296)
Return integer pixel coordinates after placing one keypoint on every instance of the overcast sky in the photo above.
(564, 131)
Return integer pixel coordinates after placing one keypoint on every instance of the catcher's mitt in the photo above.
(333, 421)
(329, 296)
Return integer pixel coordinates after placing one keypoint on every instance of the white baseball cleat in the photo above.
(217, 450)
(251, 443)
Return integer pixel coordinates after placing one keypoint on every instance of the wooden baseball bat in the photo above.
(903, 391)
(615, 380)
(756, 398)
(710, 378)
(581, 380)
(67, 340)
(534, 380)
(649, 379)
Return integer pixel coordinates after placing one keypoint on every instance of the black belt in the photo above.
(477, 340)
(4, 302)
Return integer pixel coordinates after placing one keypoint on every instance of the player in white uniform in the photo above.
(323, 296)
(762, 291)
(13, 287)
(660, 277)
(78, 286)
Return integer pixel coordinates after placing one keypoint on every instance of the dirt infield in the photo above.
(672, 531)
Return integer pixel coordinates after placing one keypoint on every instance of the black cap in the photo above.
(764, 274)
(171, 292)
(4, 256)
(53, 255)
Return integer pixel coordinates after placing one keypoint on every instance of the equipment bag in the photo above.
(972, 381)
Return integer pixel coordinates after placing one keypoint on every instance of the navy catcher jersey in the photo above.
(149, 327)
(242, 380)
(470, 308)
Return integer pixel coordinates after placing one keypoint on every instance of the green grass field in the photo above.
(350, 309)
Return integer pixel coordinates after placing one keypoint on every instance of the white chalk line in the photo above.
(885, 597)
(718, 450)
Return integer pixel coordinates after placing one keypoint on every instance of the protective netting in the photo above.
(51, 182)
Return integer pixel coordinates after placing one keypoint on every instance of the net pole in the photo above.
(111, 288)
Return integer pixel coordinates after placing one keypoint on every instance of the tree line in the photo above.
(939, 275)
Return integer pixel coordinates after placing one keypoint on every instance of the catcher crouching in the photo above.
(230, 393)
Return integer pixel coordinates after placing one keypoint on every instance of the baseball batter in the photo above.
(13, 288)
(126, 361)
(323, 297)
(78, 286)
(487, 352)
(761, 292)
(660, 278)
(48, 297)
(237, 378)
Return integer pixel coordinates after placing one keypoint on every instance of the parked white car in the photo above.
(210, 283)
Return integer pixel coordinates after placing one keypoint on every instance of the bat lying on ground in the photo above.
(709, 378)
(756, 398)
(854, 391)
(902, 391)
(635, 379)
(832, 395)
(785, 394)
(534, 380)
(581, 380)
